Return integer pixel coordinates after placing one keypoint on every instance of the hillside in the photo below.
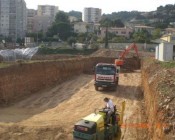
(161, 18)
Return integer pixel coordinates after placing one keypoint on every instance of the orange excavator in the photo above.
(120, 60)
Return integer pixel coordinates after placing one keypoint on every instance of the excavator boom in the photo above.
(120, 61)
(126, 51)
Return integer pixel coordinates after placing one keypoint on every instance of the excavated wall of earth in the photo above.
(159, 88)
(23, 79)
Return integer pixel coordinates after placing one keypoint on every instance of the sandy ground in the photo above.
(51, 114)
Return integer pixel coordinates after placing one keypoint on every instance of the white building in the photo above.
(166, 50)
(47, 10)
(92, 15)
(73, 19)
(13, 18)
(125, 31)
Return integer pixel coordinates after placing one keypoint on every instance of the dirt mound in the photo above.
(54, 57)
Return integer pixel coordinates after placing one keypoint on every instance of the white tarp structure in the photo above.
(18, 54)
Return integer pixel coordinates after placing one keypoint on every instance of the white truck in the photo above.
(106, 76)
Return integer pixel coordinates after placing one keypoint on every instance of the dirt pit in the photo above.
(52, 113)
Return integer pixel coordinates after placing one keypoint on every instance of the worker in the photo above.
(109, 108)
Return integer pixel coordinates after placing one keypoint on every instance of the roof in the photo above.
(94, 118)
(105, 64)
(170, 29)
(158, 41)
(148, 27)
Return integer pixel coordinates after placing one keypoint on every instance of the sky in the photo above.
(107, 6)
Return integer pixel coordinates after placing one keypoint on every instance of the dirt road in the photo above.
(51, 114)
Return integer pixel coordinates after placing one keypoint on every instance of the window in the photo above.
(173, 37)
(107, 70)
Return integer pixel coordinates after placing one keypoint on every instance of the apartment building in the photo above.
(13, 18)
(41, 19)
(41, 23)
(92, 15)
(31, 13)
(47, 10)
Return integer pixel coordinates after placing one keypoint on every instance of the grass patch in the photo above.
(45, 50)
(4, 65)
(168, 65)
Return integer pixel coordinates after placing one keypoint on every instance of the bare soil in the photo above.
(52, 113)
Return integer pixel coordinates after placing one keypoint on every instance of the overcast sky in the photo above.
(107, 6)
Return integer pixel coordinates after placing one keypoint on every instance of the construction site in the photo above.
(43, 99)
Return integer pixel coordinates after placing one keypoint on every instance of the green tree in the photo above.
(76, 14)
(141, 36)
(61, 27)
(62, 17)
(117, 23)
(71, 40)
(156, 34)
(105, 22)
(119, 39)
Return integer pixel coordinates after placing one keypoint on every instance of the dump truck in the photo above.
(106, 76)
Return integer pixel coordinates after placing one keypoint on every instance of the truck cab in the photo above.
(106, 76)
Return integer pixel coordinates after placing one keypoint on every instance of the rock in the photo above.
(57, 137)
(168, 97)
(167, 107)
(160, 104)
(166, 130)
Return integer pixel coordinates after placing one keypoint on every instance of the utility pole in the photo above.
(106, 38)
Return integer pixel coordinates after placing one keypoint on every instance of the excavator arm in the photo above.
(120, 61)
(126, 51)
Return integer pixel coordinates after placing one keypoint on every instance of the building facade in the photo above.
(41, 23)
(13, 18)
(83, 27)
(92, 15)
(31, 13)
(47, 10)
(41, 19)
(126, 31)
(147, 28)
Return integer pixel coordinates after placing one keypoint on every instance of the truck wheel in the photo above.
(117, 81)
(110, 137)
(114, 88)
(96, 88)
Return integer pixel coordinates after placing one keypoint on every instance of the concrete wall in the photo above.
(121, 46)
